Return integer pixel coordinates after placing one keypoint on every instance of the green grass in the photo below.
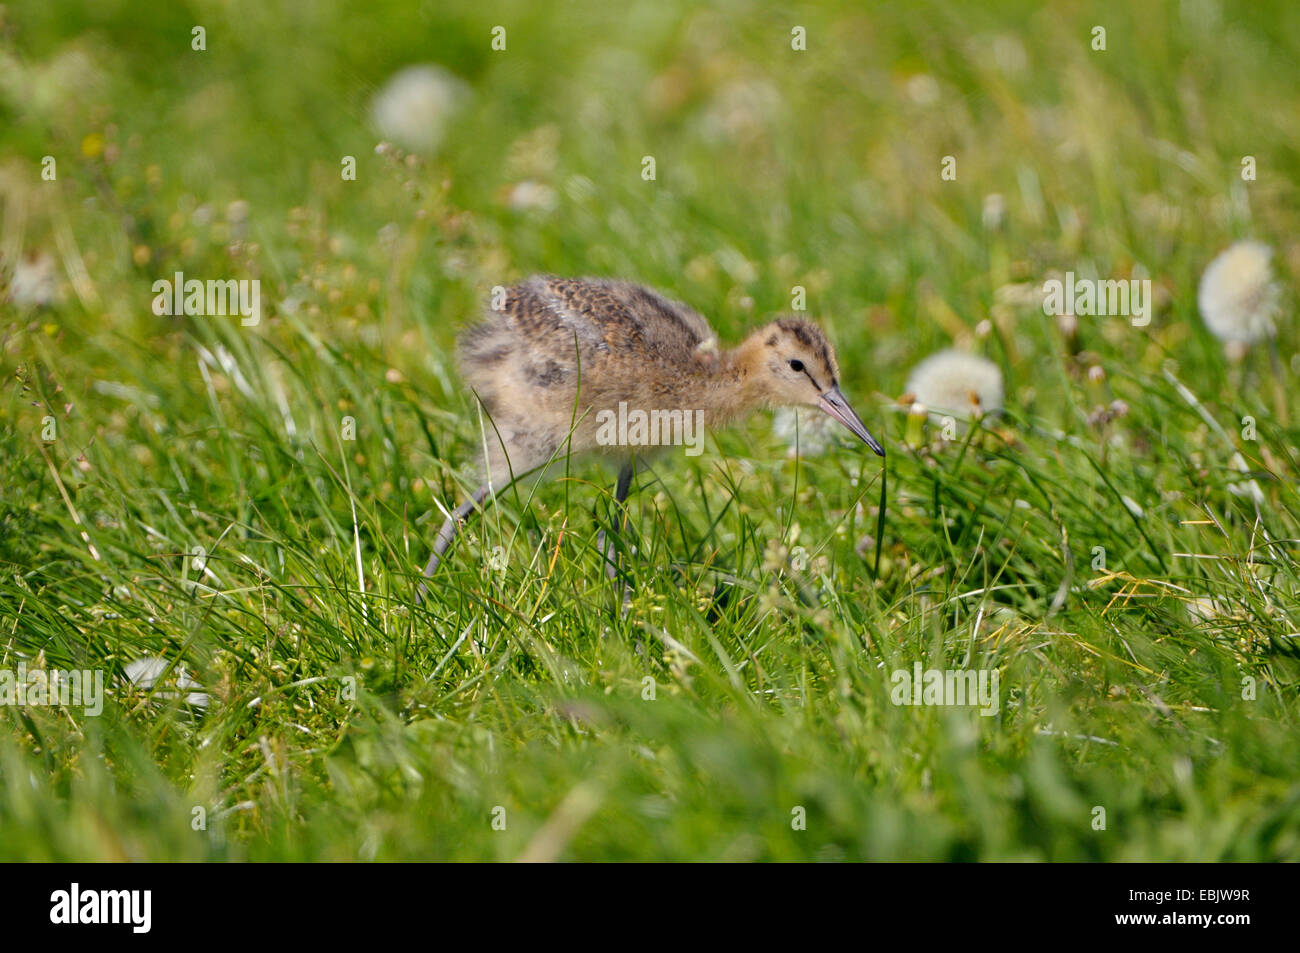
(524, 690)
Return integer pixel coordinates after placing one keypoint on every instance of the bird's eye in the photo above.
(796, 366)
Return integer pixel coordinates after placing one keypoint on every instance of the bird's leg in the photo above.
(449, 530)
(620, 497)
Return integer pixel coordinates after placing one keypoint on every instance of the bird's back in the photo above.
(550, 330)
(561, 349)
(546, 315)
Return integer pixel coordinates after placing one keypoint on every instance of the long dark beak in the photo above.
(833, 403)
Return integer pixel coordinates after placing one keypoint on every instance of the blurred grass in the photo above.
(525, 688)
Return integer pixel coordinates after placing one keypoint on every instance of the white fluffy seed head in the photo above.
(145, 672)
(805, 433)
(414, 107)
(1238, 297)
(34, 283)
(957, 383)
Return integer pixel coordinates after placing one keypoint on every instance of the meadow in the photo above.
(253, 502)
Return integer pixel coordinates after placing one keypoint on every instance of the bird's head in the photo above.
(790, 363)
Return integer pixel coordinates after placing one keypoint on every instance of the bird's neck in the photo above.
(736, 388)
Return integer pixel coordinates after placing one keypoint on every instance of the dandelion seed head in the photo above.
(1238, 297)
(414, 107)
(806, 434)
(957, 383)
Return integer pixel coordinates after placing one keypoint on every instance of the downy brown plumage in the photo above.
(562, 350)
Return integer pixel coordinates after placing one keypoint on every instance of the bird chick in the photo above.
(562, 353)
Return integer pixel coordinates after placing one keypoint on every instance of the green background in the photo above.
(523, 688)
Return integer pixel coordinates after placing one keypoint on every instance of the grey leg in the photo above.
(621, 489)
(448, 533)
(624, 483)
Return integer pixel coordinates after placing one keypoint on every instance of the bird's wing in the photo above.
(606, 316)
(551, 332)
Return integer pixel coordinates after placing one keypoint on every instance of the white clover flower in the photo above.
(529, 196)
(1238, 297)
(35, 281)
(1203, 609)
(1249, 489)
(144, 672)
(923, 89)
(994, 211)
(414, 107)
(741, 110)
(1009, 54)
(957, 383)
(814, 434)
